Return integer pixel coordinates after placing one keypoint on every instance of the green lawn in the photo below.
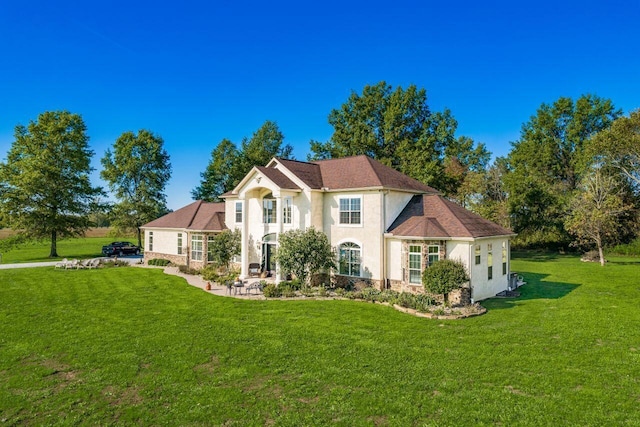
(87, 247)
(131, 345)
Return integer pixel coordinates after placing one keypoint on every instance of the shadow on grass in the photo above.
(624, 262)
(536, 288)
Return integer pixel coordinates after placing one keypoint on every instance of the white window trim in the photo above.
(429, 254)
(235, 213)
(359, 244)
(179, 243)
(194, 251)
(413, 269)
(288, 199)
(351, 196)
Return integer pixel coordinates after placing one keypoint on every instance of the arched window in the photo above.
(349, 259)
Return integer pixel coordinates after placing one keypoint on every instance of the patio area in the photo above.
(247, 291)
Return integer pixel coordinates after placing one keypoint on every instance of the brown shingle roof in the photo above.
(198, 215)
(352, 172)
(431, 215)
(309, 173)
(278, 178)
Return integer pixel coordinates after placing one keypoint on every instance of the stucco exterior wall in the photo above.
(368, 234)
(395, 202)
(482, 286)
(164, 240)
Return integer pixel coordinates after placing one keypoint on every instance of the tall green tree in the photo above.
(619, 146)
(493, 202)
(546, 164)
(45, 190)
(596, 211)
(230, 164)
(265, 143)
(397, 128)
(219, 176)
(137, 172)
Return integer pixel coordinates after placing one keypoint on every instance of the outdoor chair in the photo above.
(61, 264)
(254, 269)
(71, 264)
(255, 286)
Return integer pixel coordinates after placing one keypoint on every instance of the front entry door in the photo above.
(268, 263)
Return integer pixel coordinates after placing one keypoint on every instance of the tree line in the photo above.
(572, 177)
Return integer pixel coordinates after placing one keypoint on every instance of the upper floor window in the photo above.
(415, 264)
(238, 211)
(269, 209)
(287, 207)
(150, 241)
(350, 210)
(504, 258)
(434, 253)
(196, 247)
(179, 243)
(489, 261)
(349, 259)
(477, 251)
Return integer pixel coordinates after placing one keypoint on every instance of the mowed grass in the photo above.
(83, 247)
(132, 345)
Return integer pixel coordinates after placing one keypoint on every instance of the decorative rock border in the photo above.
(481, 311)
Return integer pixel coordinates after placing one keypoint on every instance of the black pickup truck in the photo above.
(120, 248)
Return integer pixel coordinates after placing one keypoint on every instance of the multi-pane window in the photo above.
(287, 204)
(210, 246)
(477, 251)
(504, 258)
(415, 264)
(350, 210)
(196, 247)
(349, 259)
(268, 210)
(489, 261)
(434, 253)
(150, 241)
(179, 243)
(238, 211)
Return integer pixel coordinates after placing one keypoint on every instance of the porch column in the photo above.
(279, 222)
(244, 238)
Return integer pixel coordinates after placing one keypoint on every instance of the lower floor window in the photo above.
(349, 259)
(196, 247)
(415, 264)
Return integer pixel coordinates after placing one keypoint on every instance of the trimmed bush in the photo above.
(185, 269)
(159, 262)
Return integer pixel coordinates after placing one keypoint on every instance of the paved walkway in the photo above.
(28, 265)
(199, 282)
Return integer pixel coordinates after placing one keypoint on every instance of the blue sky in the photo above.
(196, 72)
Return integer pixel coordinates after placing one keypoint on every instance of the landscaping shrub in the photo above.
(114, 263)
(629, 249)
(185, 269)
(271, 291)
(591, 256)
(159, 262)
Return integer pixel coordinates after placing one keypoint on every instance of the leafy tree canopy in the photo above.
(45, 191)
(619, 146)
(304, 253)
(547, 161)
(224, 247)
(229, 164)
(137, 171)
(397, 128)
(596, 211)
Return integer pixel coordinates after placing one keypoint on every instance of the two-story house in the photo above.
(386, 227)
